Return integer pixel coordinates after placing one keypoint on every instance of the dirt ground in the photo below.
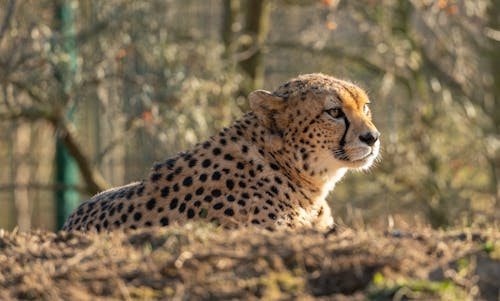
(203, 263)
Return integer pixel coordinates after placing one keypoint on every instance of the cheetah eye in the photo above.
(335, 112)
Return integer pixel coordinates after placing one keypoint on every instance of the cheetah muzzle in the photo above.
(272, 168)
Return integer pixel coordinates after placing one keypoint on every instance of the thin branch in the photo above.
(33, 94)
(6, 20)
(94, 180)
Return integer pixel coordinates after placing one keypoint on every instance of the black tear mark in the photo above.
(342, 140)
(340, 154)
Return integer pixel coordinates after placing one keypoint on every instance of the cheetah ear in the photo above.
(266, 105)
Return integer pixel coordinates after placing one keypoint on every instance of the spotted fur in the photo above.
(271, 168)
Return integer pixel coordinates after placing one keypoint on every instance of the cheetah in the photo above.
(272, 168)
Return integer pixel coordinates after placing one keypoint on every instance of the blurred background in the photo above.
(93, 92)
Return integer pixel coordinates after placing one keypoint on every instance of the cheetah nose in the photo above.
(369, 138)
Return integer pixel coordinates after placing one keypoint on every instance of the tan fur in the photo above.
(272, 168)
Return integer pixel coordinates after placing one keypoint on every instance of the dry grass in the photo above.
(202, 263)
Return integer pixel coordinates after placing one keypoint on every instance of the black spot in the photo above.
(206, 163)
(188, 197)
(178, 170)
(160, 209)
(242, 184)
(130, 208)
(203, 177)
(256, 210)
(272, 216)
(170, 163)
(188, 181)
(230, 198)
(208, 199)
(278, 180)
(223, 141)
(244, 149)
(123, 218)
(228, 157)
(182, 207)
(164, 191)
(216, 151)
(98, 228)
(130, 194)
(156, 176)
(170, 177)
(148, 224)
(111, 211)
(245, 195)
(241, 203)
(240, 165)
(274, 189)
(270, 203)
(140, 190)
(151, 204)
(164, 221)
(176, 187)
(137, 216)
(229, 212)
(192, 162)
(255, 222)
(206, 145)
(199, 191)
(216, 192)
(274, 166)
(119, 207)
(216, 176)
(229, 184)
(173, 203)
(218, 206)
(197, 204)
(190, 213)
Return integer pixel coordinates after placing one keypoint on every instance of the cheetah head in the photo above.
(325, 122)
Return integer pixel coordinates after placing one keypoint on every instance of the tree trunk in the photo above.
(494, 157)
(230, 16)
(256, 27)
